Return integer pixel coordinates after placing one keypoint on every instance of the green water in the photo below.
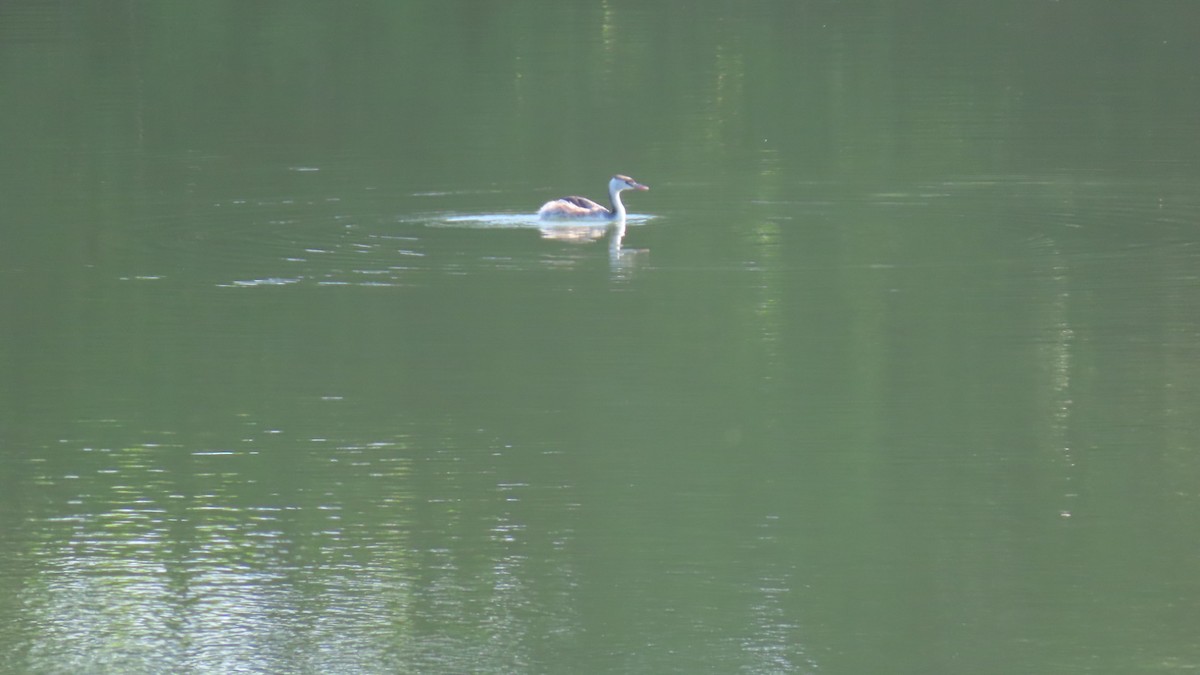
(896, 372)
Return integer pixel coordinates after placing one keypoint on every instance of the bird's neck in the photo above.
(618, 209)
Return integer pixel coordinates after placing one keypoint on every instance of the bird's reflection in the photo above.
(564, 232)
(577, 233)
(616, 249)
(574, 234)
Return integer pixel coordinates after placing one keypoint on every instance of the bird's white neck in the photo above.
(614, 195)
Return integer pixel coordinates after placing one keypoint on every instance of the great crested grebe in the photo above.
(581, 208)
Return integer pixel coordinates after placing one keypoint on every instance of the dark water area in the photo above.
(893, 368)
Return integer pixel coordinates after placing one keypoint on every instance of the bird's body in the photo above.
(584, 209)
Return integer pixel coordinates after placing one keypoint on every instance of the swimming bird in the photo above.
(582, 208)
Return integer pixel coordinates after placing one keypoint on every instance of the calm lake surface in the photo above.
(896, 369)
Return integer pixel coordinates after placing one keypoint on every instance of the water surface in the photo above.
(894, 371)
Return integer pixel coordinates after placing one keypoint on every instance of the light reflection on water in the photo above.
(158, 549)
